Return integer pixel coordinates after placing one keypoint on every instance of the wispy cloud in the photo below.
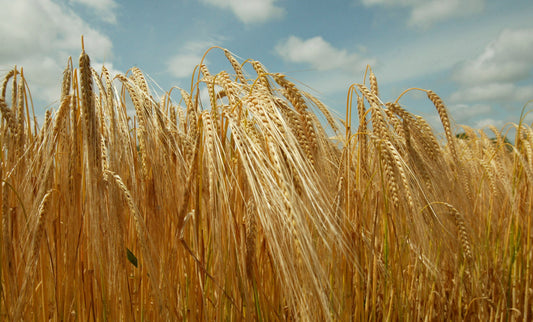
(39, 35)
(424, 13)
(250, 11)
(486, 122)
(104, 9)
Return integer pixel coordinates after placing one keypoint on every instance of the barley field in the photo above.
(256, 203)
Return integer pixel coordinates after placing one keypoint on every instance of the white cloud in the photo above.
(484, 123)
(425, 13)
(508, 58)
(390, 2)
(333, 69)
(105, 9)
(494, 92)
(442, 50)
(40, 35)
(250, 11)
(496, 72)
(321, 55)
(182, 64)
(430, 12)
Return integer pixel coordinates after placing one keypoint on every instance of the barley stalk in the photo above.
(141, 235)
(33, 259)
(251, 232)
(362, 131)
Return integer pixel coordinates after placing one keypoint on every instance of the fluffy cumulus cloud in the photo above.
(424, 13)
(250, 11)
(496, 72)
(105, 9)
(320, 54)
(182, 65)
(40, 35)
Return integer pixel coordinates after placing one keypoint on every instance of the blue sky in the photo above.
(476, 54)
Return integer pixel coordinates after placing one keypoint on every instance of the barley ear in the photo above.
(67, 80)
(250, 226)
(463, 234)
(374, 84)
(10, 74)
(443, 114)
(7, 114)
(261, 75)
(90, 116)
(236, 66)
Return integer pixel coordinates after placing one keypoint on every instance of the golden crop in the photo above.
(256, 204)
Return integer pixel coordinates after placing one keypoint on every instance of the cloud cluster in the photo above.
(424, 13)
(39, 35)
(464, 112)
(250, 11)
(495, 73)
(333, 68)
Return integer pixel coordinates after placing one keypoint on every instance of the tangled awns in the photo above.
(245, 198)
